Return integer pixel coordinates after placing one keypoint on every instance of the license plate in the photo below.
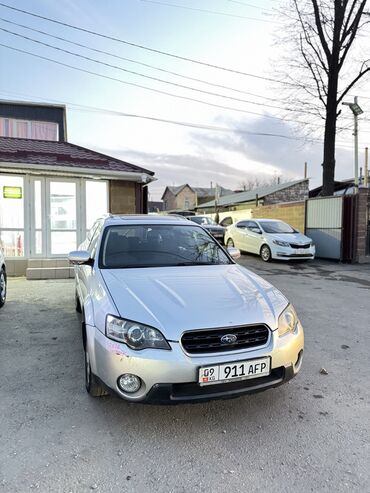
(237, 370)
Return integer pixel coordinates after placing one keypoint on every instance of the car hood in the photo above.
(175, 299)
(297, 238)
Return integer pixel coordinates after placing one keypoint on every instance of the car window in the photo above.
(94, 239)
(202, 220)
(91, 232)
(242, 224)
(276, 227)
(155, 245)
(227, 221)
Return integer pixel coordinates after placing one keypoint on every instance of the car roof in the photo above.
(116, 219)
(266, 219)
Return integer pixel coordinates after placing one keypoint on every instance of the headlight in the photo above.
(281, 243)
(135, 335)
(288, 321)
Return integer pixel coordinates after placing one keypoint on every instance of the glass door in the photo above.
(62, 223)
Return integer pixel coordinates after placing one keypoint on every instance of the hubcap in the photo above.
(2, 287)
(265, 253)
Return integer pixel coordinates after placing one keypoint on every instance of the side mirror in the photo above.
(234, 253)
(256, 230)
(80, 257)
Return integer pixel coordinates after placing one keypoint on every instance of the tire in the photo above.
(78, 304)
(3, 286)
(230, 243)
(93, 387)
(265, 253)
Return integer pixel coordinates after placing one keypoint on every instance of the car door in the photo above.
(240, 236)
(84, 272)
(253, 237)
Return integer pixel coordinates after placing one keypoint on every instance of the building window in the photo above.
(12, 215)
(28, 129)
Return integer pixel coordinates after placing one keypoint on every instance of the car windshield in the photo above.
(202, 220)
(276, 227)
(156, 245)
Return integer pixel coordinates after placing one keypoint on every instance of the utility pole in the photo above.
(366, 177)
(356, 110)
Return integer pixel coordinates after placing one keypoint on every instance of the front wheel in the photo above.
(77, 303)
(265, 253)
(93, 387)
(230, 243)
(2, 287)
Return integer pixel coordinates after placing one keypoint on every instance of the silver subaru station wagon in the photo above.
(169, 317)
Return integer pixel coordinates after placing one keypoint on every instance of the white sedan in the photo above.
(269, 238)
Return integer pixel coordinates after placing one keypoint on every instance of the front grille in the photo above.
(209, 340)
(294, 245)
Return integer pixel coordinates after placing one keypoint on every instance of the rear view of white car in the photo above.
(271, 239)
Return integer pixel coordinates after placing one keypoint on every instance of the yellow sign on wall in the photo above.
(12, 192)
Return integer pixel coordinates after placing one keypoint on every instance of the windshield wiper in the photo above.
(180, 264)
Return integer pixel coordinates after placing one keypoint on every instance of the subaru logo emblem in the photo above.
(228, 339)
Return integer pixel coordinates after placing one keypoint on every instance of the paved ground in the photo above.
(310, 435)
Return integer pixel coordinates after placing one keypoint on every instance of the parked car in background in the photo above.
(169, 317)
(210, 225)
(269, 238)
(3, 283)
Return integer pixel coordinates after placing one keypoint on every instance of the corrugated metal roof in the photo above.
(49, 153)
(240, 197)
(200, 191)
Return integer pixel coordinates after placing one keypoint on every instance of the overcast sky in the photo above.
(239, 36)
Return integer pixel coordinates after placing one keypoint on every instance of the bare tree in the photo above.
(252, 183)
(322, 67)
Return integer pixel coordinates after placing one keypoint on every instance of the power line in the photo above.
(187, 98)
(206, 11)
(148, 76)
(153, 50)
(154, 90)
(96, 50)
(80, 107)
(251, 5)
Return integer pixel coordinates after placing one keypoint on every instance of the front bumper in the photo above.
(172, 376)
(286, 253)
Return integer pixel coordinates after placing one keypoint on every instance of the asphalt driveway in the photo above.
(309, 435)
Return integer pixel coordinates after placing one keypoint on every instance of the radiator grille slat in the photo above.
(209, 340)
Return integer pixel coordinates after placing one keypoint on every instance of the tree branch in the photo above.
(355, 80)
(320, 31)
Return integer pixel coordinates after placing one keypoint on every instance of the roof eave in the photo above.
(135, 176)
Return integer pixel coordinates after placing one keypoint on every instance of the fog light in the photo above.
(129, 383)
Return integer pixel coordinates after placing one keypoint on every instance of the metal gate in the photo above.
(330, 222)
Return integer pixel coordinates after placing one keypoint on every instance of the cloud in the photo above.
(231, 158)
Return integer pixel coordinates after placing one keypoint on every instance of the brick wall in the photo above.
(122, 197)
(361, 248)
(295, 193)
(292, 213)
